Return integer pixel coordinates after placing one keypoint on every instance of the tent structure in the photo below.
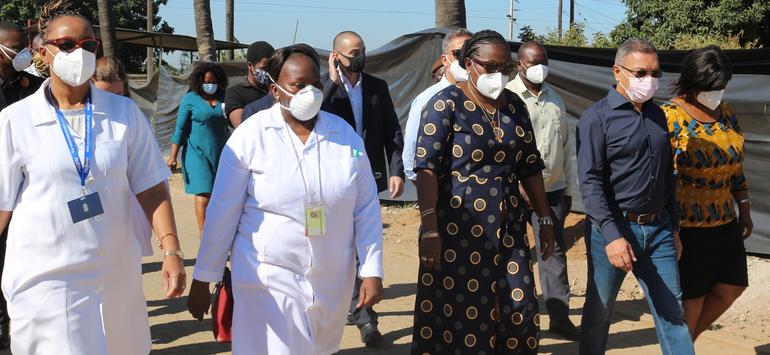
(165, 41)
(580, 75)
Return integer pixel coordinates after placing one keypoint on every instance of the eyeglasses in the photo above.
(490, 67)
(643, 73)
(69, 44)
(456, 53)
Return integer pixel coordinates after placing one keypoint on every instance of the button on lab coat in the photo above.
(291, 292)
(75, 288)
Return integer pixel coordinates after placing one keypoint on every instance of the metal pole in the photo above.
(150, 16)
(571, 12)
(510, 20)
(296, 27)
(558, 22)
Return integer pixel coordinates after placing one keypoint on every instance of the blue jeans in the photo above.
(657, 272)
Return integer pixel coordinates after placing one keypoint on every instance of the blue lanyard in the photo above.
(85, 167)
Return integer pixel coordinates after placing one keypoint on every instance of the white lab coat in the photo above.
(75, 288)
(292, 293)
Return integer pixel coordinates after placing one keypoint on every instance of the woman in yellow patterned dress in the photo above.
(476, 289)
(708, 163)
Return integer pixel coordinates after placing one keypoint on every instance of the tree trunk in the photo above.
(107, 27)
(204, 31)
(450, 13)
(229, 27)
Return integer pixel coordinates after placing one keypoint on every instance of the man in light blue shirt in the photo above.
(452, 44)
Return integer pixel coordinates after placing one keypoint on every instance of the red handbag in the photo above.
(222, 309)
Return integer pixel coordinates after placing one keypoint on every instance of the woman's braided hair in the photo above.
(55, 9)
(479, 39)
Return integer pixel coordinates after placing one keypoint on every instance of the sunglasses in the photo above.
(69, 44)
(456, 53)
(643, 73)
(490, 67)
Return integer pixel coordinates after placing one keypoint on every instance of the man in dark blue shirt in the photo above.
(625, 166)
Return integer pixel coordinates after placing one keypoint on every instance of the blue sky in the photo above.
(379, 22)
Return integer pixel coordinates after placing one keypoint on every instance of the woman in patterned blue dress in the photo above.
(476, 290)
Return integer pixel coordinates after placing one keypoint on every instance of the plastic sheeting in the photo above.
(580, 75)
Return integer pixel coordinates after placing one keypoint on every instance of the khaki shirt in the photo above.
(547, 113)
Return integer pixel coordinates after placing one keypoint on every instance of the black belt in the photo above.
(643, 218)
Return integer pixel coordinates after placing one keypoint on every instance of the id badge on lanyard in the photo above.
(315, 220)
(87, 205)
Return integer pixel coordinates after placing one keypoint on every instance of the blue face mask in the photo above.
(209, 89)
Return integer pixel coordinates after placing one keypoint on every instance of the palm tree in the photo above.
(204, 31)
(106, 27)
(450, 13)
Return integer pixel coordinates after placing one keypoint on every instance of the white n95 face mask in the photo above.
(458, 72)
(711, 99)
(536, 74)
(305, 104)
(74, 68)
(490, 85)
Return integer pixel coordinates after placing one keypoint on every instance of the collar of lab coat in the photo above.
(43, 112)
(324, 126)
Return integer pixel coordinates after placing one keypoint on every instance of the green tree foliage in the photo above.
(575, 36)
(527, 34)
(672, 24)
(130, 14)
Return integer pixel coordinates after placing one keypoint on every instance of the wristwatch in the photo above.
(545, 221)
(177, 252)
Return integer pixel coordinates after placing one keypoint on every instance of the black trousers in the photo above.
(361, 316)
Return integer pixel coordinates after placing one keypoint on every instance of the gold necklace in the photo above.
(498, 132)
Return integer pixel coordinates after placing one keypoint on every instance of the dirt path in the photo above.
(743, 329)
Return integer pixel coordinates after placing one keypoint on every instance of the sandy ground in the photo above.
(743, 330)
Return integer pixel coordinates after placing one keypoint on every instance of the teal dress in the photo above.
(200, 131)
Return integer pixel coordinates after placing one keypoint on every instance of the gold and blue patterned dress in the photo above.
(485, 254)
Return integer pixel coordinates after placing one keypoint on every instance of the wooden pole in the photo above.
(229, 27)
(150, 17)
(558, 21)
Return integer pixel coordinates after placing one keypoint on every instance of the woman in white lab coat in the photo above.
(294, 200)
(73, 267)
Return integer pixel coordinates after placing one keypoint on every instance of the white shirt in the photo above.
(257, 207)
(67, 284)
(546, 111)
(412, 129)
(356, 101)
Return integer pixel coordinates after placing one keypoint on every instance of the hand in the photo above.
(199, 299)
(567, 204)
(334, 75)
(525, 197)
(620, 254)
(171, 163)
(395, 186)
(371, 292)
(747, 225)
(430, 253)
(173, 275)
(547, 241)
(678, 246)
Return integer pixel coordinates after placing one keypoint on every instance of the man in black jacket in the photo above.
(364, 102)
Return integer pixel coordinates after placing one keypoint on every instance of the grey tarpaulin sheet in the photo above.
(581, 76)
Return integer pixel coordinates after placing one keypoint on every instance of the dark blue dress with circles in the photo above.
(485, 254)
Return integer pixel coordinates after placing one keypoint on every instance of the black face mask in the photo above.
(356, 63)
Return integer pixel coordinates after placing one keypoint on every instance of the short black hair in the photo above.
(259, 50)
(479, 39)
(344, 34)
(281, 55)
(199, 72)
(704, 69)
